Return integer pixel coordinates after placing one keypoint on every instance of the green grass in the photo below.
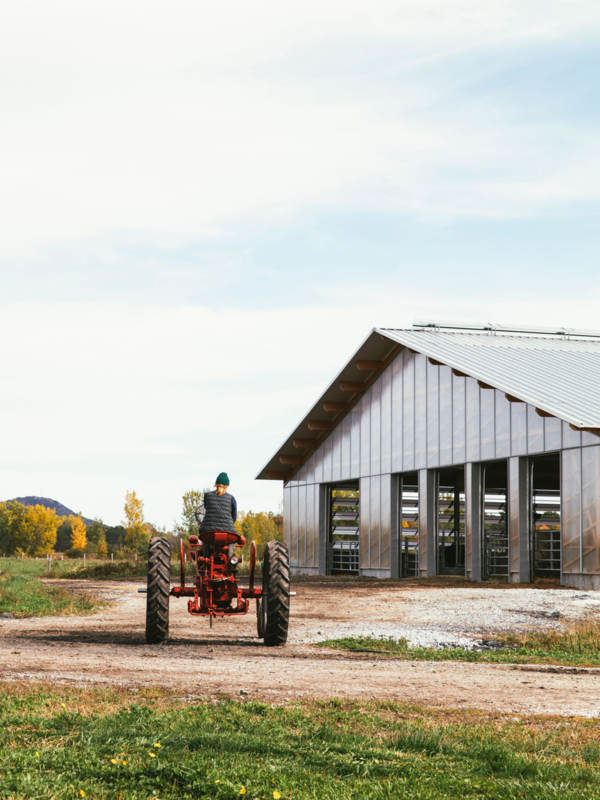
(122, 570)
(99, 570)
(578, 646)
(35, 567)
(23, 596)
(103, 744)
(92, 569)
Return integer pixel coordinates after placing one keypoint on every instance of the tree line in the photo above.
(38, 531)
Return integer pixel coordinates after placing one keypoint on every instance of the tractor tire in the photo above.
(274, 606)
(159, 584)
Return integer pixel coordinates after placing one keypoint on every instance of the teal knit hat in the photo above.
(223, 479)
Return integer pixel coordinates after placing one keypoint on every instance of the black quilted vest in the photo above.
(218, 512)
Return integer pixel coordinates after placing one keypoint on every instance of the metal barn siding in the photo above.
(590, 510)
(446, 416)
(581, 516)
(571, 511)
(420, 415)
(396, 408)
(458, 422)
(408, 411)
(518, 519)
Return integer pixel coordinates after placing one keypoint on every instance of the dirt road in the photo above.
(109, 648)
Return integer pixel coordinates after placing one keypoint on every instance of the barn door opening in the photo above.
(495, 519)
(344, 529)
(408, 539)
(450, 516)
(545, 511)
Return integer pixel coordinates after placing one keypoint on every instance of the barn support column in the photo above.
(427, 522)
(473, 507)
(519, 540)
(395, 527)
(323, 517)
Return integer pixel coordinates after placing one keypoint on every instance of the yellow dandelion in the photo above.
(81, 793)
(276, 795)
(152, 755)
(157, 744)
(243, 790)
(37, 752)
(124, 763)
(114, 761)
(218, 780)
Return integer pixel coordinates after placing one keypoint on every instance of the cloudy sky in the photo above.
(206, 206)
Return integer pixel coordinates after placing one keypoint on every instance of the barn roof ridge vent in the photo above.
(492, 328)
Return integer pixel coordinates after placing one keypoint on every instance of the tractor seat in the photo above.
(222, 538)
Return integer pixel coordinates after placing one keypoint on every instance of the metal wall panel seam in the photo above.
(543, 434)
(414, 410)
(580, 513)
(315, 525)
(381, 421)
(439, 416)
(494, 426)
(380, 537)
(451, 415)
(509, 431)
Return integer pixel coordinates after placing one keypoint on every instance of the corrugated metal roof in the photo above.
(558, 374)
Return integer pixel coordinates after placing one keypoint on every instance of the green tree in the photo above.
(115, 538)
(95, 530)
(63, 536)
(192, 502)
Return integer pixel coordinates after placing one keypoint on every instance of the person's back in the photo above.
(220, 508)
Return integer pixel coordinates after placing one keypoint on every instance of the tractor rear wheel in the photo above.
(157, 597)
(274, 606)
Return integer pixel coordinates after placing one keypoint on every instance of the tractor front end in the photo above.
(215, 591)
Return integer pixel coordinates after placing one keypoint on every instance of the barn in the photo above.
(448, 449)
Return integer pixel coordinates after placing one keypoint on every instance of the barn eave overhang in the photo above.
(363, 368)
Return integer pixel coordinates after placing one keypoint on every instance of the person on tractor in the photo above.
(220, 508)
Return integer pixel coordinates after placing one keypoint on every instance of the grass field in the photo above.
(125, 570)
(74, 568)
(22, 594)
(110, 745)
(35, 567)
(578, 646)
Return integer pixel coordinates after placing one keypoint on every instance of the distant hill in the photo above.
(47, 502)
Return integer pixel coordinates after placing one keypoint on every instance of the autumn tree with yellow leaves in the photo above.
(137, 533)
(78, 534)
(27, 530)
(101, 546)
(260, 526)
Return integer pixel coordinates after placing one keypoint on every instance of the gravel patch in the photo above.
(460, 617)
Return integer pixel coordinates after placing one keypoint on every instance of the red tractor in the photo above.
(215, 591)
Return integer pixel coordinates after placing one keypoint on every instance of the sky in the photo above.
(205, 208)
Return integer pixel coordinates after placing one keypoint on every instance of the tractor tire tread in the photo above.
(158, 587)
(276, 593)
